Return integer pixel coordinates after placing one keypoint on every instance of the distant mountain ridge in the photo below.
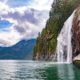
(22, 50)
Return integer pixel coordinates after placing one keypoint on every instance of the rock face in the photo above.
(77, 58)
(76, 33)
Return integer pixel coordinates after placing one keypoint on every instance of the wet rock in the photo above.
(76, 34)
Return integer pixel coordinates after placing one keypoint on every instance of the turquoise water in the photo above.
(30, 70)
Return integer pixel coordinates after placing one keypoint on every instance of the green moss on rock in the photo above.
(77, 63)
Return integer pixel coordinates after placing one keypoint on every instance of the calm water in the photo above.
(29, 70)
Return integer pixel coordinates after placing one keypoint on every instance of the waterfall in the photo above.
(64, 47)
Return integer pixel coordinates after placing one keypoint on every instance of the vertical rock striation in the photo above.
(76, 33)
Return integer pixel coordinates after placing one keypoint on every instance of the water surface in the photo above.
(32, 70)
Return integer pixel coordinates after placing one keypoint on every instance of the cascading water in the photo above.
(64, 47)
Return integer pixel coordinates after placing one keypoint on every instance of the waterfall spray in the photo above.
(64, 46)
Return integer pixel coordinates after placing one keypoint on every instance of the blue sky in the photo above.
(22, 19)
(5, 24)
(17, 3)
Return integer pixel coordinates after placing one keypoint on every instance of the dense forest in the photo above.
(47, 39)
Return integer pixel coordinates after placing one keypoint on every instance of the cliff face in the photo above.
(47, 40)
(76, 33)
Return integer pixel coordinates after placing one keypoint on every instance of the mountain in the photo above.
(46, 43)
(22, 50)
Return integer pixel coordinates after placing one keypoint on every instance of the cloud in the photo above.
(41, 5)
(27, 19)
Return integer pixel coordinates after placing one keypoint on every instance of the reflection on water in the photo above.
(65, 72)
(30, 70)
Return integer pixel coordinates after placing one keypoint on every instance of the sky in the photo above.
(22, 19)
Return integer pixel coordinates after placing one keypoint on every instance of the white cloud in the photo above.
(27, 20)
(9, 38)
(41, 4)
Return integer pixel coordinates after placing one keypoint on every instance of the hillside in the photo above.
(22, 50)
